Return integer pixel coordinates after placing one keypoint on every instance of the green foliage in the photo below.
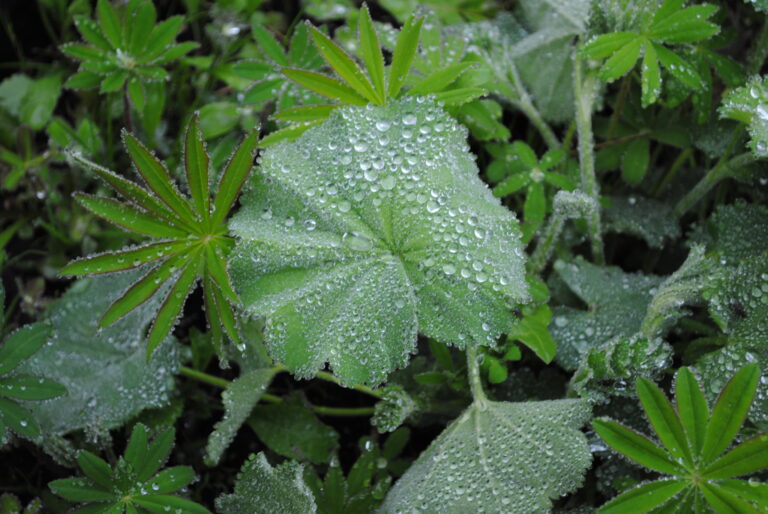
(617, 303)
(393, 409)
(693, 440)
(191, 236)
(338, 245)
(133, 484)
(654, 27)
(124, 48)
(749, 105)
(17, 348)
(485, 460)
(648, 219)
(261, 488)
(127, 383)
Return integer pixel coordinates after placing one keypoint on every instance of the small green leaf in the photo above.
(164, 503)
(636, 446)
(136, 93)
(216, 266)
(724, 501)
(92, 33)
(169, 312)
(644, 498)
(344, 66)
(109, 262)
(128, 217)
(325, 86)
(161, 36)
(156, 453)
(269, 45)
(83, 52)
(692, 408)
(651, 77)
(748, 457)
(21, 345)
(95, 468)
(142, 290)
(109, 23)
(679, 68)
(252, 70)
(155, 174)
(535, 206)
(664, 420)
(141, 24)
(402, 58)
(30, 388)
(305, 113)
(196, 164)
(18, 419)
(232, 179)
(439, 79)
(172, 479)
(113, 82)
(753, 492)
(525, 153)
(224, 312)
(78, 490)
(686, 25)
(459, 96)
(372, 56)
(607, 44)
(729, 411)
(136, 449)
(83, 80)
(634, 162)
(622, 61)
(512, 184)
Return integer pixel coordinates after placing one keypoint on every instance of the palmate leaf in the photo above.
(749, 104)
(351, 242)
(126, 384)
(192, 232)
(263, 489)
(498, 457)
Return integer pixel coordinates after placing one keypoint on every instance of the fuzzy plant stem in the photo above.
(269, 398)
(473, 372)
(546, 243)
(723, 169)
(585, 88)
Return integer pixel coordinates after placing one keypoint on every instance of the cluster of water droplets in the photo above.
(383, 212)
(750, 104)
(105, 371)
(501, 457)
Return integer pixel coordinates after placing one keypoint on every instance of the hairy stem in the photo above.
(473, 373)
(546, 243)
(585, 88)
(270, 398)
(723, 169)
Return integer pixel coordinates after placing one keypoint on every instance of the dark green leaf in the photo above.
(729, 412)
(156, 454)
(162, 35)
(128, 217)
(644, 498)
(109, 23)
(748, 457)
(172, 479)
(651, 77)
(20, 345)
(634, 162)
(686, 25)
(30, 388)
(664, 420)
(79, 490)
(109, 262)
(196, 165)
(325, 86)
(18, 419)
(92, 33)
(724, 501)
(232, 179)
(679, 68)
(269, 45)
(636, 446)
(692, 408)
(305, 113)
(607, 44)
(95, 468)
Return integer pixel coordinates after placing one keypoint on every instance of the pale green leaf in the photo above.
(749, 104)
(338, 244)
(239, 398)
(262, 489)
(126, 382)
(498, 457)
(648, 219)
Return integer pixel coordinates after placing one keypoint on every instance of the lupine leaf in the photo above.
(636, 446)
(22, 344)
(110, 25)
(109, 262)
(498, 457)
(307, 257)
(372, 56)
(606, 44)
(692, 407)
(344, 66)
(128, 217)
(686, 25)
(92, 33)
(651, 76)
(18, 419)
(30, 388)
(439, 79)
(724, 501)
(729, 411)
(326, 86)
(196, 164)
(402, 58)
(161, 36)
(748, 457)
(95, 468)
(305, 113)
(622, 61)
(665, 421)
(269, 45)
(749, 104)
(679, 68)
(643, 498)
(233, 177)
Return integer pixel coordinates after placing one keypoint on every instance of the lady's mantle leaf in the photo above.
(105, 371)
(369, 229)
(260, 488)
(498, 457)
(749, 104)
